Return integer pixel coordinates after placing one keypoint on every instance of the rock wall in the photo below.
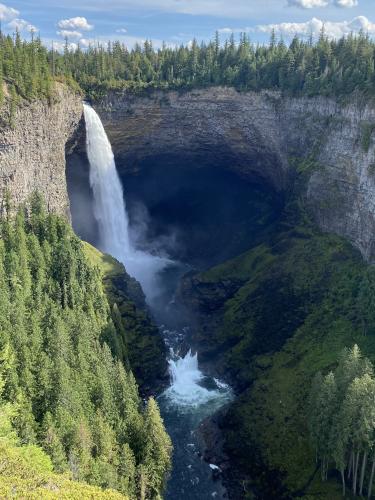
(32, 151)
(257, 135)
(211, 127)
(253, 134)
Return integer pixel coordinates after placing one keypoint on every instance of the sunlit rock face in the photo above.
(258, 136)
(33, 148)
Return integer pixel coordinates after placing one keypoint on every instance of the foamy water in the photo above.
(187, 387)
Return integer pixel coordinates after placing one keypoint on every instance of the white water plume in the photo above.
(186, 388)
(110, 209)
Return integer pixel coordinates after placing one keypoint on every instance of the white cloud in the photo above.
(21, 25)
(122, 30)
(346, 3)
(314, 27)
(311, 4)
(127, 40)
(69, 34)
(85, 42)
(308, 4)
(60, 46)
(226, 30)
(7, 13)
(75, 23)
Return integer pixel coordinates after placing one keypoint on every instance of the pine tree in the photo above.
(158, 448)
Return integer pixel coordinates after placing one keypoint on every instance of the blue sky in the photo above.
(179, 21)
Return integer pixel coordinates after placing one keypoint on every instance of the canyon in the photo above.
(283, 152)
(257, 135)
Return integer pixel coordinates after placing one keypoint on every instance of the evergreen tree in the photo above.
(342, 420)
(68, 393)
(157, 452)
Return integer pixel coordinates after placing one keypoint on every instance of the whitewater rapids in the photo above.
(187, 384)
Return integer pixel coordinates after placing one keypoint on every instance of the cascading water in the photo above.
(186, 389)
(191, 396)
(110, 209)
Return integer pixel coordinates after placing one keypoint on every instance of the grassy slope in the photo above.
(296, 309)
(109, 266)
(26, 472)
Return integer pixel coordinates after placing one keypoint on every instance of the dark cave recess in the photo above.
(200, 215)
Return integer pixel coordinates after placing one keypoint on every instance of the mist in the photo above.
(110, 213)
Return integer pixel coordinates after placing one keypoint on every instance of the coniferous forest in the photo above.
(342, 421)
(323, 67)
(62, 389)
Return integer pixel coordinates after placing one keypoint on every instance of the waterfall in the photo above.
(187, 387)
(110, 208)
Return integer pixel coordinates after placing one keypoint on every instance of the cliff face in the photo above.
(32, 151)
(258, 135)
(253, 134)
(138, 340)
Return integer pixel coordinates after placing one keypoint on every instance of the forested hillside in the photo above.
(328, 67)
(27, 471)
(342, 421)
(69, 394)
(300, 300)
(325, 67)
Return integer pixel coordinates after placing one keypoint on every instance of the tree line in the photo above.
(24, 68)
(304, 67)
(327, 67)
(72, 396)
(342, 421)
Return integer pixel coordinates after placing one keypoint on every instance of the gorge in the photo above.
(283, 168)
(186, 401)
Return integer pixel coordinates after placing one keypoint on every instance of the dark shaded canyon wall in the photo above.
(204, 127)
(32, 151)
(257, 135)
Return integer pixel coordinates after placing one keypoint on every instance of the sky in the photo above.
(180, 21)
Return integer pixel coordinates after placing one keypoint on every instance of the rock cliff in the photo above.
(258, 135)
(32, 150)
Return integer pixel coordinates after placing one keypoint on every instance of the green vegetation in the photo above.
(367, 131)
(72, 396)
(327, 67)
(137, 341)
(24, 68)
(27, 471)
(342, 420)
(295, 303)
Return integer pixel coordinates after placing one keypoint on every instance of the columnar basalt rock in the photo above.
(32, 150)
(258, 135)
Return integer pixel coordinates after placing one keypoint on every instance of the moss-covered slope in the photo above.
(279, 313)
(137, 339)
